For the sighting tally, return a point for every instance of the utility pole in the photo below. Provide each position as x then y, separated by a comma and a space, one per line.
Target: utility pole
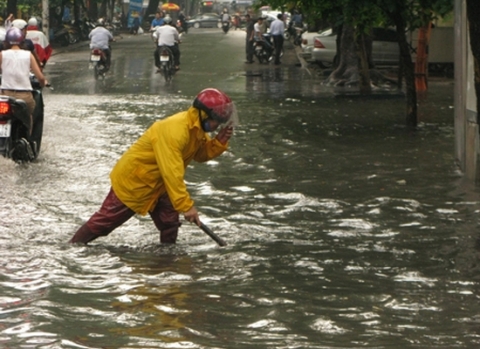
45, 18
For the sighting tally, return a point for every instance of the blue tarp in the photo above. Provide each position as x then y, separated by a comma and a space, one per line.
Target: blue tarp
134, 10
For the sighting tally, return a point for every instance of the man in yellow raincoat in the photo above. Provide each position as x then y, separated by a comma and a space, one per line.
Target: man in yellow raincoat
149, 177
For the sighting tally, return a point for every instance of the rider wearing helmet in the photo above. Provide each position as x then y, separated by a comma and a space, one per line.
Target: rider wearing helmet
27, 44
167, 35
32, 24
100, 38
149, 177
16, 64
40, 41
225, 16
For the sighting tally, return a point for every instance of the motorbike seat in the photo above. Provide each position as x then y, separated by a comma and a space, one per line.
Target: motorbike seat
20, 109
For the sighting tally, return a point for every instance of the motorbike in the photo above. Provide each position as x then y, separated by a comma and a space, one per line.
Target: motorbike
225, 26
15, 123
61, 36
166, 68
74, 33
264, 50
98, 62
296, 33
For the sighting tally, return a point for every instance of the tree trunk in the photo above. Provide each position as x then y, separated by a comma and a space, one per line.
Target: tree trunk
365, 87
103, 9
347, 71
338, 42
11, 8
152, 7
93, 9
408, 68
473, 15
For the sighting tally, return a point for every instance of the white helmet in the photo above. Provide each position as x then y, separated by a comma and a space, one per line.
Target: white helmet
19, 23
33, 21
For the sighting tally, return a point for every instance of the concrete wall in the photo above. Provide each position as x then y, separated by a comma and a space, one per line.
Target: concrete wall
467, 142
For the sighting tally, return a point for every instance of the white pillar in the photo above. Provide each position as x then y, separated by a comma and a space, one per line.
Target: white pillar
45, 18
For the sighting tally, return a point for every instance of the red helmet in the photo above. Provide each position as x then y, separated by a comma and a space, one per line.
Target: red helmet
216, 104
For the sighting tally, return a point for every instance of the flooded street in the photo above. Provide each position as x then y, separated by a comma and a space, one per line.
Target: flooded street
344, 229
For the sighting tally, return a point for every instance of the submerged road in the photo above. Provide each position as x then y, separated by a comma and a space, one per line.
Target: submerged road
343, 229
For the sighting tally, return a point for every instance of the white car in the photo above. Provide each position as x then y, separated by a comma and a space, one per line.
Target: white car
385, 49
307, 42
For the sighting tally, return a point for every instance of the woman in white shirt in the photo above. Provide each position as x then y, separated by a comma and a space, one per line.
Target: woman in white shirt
16, 65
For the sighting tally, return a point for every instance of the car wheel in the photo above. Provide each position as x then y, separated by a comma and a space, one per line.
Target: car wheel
324, 65
196, 25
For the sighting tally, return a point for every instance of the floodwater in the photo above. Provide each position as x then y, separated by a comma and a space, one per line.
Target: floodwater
344, 229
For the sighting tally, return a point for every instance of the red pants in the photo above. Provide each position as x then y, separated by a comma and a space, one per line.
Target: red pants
114, 213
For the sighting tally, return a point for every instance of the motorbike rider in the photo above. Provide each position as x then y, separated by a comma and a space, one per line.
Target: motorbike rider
158, 21
167, 35
226, 17
100, 38
16, 64
149, 177
258, 35
27, 44
39, 40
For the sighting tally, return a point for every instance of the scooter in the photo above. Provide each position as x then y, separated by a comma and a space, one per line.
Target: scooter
166, 68
264, 50
61, 36
98, 62
74, 33
225, 26
295, 33
15, 124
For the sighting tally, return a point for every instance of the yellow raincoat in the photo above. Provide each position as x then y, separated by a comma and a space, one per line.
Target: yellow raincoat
156, 162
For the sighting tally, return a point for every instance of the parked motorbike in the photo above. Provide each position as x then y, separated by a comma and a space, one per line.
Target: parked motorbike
98, 62
166, 68
61, 36
225, 26
264, 50
15, 123
74, 34
79, 30
297, 37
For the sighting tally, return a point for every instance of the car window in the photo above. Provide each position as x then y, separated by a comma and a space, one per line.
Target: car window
382, 34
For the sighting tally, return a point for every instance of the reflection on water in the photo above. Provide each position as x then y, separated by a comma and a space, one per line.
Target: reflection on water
343, 230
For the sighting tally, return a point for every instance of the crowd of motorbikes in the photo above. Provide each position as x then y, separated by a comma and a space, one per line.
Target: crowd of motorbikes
20, 135
72, 32
264, 49
15, 122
